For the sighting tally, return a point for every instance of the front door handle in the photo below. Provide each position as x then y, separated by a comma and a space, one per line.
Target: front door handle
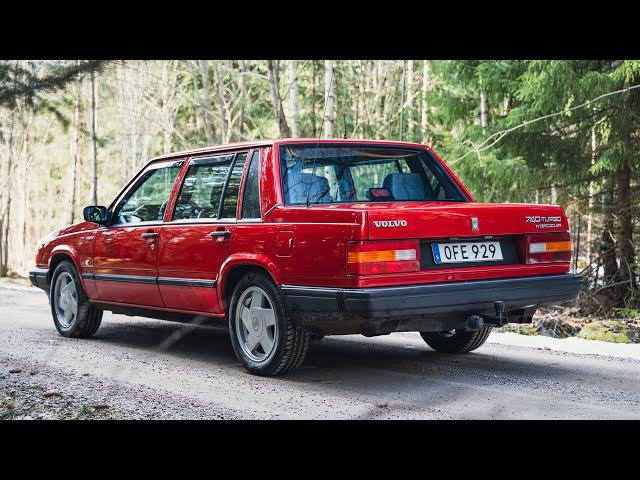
147, 235
220, 233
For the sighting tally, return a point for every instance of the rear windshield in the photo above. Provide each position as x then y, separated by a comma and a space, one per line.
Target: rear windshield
314, 174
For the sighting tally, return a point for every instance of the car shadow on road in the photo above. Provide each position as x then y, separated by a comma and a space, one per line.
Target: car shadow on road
396, 376
335, 359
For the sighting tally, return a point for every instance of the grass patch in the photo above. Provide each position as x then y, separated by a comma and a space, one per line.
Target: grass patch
606, 331
519, 329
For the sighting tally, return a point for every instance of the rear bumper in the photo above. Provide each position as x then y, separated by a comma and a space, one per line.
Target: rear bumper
433, 306
39, 277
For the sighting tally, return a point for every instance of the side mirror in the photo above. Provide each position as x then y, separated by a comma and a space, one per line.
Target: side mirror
96, 214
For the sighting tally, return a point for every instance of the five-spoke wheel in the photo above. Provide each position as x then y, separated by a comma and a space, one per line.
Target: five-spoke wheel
256, 324
65, 299
73, 314
264, 336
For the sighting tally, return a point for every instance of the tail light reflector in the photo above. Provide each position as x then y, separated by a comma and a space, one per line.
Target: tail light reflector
369, 258
548, 247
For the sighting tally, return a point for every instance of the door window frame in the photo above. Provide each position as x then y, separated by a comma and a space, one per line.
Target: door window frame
134, 183
169, 213
245, 173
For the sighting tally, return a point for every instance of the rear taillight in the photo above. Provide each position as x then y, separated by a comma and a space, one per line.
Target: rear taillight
369, 258
548, 247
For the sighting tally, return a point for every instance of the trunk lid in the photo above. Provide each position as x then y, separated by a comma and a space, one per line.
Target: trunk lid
403, 220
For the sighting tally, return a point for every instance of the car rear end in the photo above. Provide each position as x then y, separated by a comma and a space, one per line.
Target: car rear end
425, 257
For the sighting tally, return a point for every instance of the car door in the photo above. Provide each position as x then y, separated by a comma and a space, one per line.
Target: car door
126, 252
198, 238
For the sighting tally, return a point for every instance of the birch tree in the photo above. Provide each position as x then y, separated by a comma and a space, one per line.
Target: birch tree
94, 139
329, 97
75, 150
293, 97
276, 99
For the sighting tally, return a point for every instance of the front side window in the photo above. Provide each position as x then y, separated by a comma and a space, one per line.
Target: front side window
313, 174
251, 194
147, 200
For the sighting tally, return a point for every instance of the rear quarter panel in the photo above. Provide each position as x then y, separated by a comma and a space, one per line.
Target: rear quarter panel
318, 253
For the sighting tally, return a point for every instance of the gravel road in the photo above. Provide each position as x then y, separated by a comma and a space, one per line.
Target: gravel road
128, 371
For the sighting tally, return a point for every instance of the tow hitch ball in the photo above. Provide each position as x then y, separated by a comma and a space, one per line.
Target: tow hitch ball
476, 322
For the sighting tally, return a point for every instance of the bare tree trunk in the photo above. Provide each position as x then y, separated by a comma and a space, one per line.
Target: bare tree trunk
484, 110
506, 106
293, 79
625, 232
166, 94
360, 102
276, 100
207, 119
412, 121
591, 194
75, 149
607, 245
329, 97
424, 105
243, 96
94, 139
577, 225
28, 153
554, 194
5, 193
222, 107
402, 96
313, 97
388, 86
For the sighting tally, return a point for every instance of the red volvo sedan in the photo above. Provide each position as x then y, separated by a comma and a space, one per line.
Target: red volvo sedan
288, 239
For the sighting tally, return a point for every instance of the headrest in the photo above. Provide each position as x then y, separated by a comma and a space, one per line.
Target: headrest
405, 186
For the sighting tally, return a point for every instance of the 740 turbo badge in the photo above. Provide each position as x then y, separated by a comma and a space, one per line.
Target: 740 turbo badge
543, 222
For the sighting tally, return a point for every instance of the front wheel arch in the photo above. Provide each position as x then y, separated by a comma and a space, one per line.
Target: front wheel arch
56, 260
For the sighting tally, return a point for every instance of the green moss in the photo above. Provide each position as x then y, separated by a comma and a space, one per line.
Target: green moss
522, 330
606, 331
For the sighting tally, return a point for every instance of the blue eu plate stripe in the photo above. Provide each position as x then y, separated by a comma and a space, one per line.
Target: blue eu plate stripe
436, 253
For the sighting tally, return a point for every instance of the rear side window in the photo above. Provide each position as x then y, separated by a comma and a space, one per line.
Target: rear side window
251, 194
342, 174
201, 190
230, 202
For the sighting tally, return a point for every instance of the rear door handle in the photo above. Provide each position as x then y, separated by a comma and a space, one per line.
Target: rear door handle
220, 233
146, 235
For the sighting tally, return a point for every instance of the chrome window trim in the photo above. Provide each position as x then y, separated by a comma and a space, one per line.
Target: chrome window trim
152, 166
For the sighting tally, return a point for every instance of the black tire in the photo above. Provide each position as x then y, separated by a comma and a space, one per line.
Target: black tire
88, 317
291, 341
456, 341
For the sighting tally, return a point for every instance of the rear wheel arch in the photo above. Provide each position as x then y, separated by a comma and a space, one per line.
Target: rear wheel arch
230, 277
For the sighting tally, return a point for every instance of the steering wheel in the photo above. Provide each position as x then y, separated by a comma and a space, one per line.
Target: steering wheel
162, 209
436, 191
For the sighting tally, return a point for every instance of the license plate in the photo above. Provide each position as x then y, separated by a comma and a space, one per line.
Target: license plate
466, 252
